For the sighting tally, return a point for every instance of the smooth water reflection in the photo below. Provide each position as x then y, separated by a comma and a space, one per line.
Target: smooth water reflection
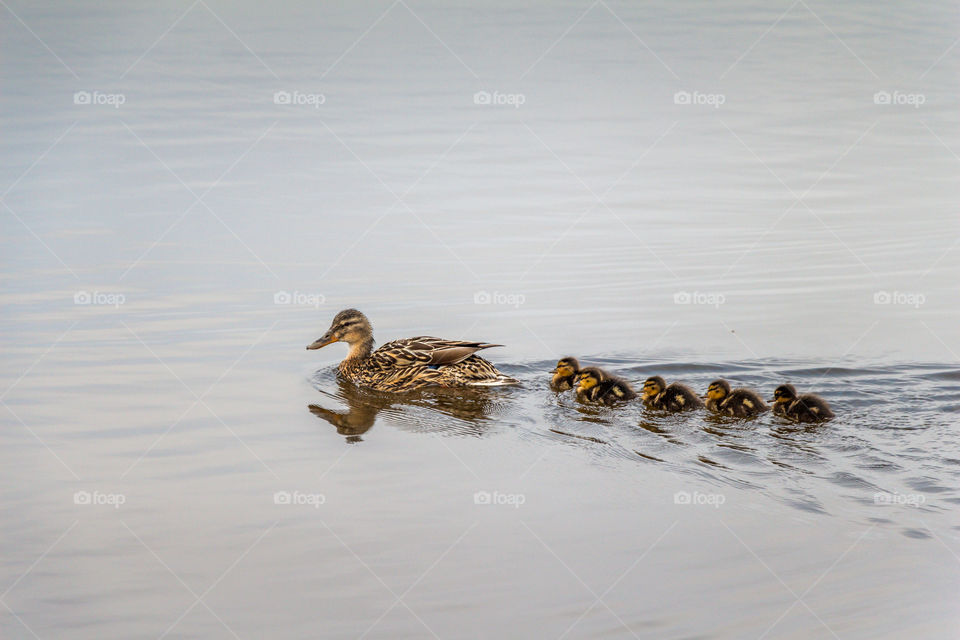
456, 411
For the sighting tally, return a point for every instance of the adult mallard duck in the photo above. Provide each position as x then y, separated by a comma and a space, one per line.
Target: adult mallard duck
409, 363
675, 397
596, 385
739, 403
805, 407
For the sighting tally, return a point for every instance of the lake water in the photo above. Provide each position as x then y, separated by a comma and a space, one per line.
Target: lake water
761, 191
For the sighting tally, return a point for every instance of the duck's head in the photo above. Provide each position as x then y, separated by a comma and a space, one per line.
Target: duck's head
784, 393
348, 326
566, 367
589, 378
718, 390
653, 386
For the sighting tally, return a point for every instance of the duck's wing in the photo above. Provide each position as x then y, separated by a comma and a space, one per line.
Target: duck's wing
429, 351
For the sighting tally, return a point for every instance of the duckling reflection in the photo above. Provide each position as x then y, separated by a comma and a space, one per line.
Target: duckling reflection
458, 412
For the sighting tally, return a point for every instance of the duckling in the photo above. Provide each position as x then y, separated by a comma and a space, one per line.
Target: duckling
596, 385
565, 374
676, 397
806, 407
740, 403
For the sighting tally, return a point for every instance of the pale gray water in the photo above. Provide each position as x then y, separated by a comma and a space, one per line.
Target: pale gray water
814, 230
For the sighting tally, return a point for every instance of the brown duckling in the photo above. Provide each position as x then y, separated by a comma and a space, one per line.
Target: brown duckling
596, 385
565, 374
739, 403
805, 407
676, 397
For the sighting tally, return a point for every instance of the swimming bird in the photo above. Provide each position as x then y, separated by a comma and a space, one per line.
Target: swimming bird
596, 385
565, 374
676, 397
805, 407
409, 363
740, 403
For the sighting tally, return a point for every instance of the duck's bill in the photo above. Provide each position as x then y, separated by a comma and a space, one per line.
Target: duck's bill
320, 343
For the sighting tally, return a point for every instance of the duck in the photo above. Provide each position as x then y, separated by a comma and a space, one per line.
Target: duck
409, 363
675, 397
739, 403
805, 407
565, 374
596, 385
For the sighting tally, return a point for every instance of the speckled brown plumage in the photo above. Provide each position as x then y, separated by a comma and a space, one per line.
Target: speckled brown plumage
410, 363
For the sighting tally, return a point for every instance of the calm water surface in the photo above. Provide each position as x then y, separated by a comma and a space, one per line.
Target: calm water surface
174, 464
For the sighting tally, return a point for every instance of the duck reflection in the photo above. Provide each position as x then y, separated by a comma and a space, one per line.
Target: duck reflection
353, 423
453, 411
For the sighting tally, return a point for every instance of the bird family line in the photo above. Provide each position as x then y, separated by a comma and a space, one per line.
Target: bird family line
408, 364
593, 384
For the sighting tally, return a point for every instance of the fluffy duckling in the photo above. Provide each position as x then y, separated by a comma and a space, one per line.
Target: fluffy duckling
805, 407
565, 374
596, 385
739, 403
676, 397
